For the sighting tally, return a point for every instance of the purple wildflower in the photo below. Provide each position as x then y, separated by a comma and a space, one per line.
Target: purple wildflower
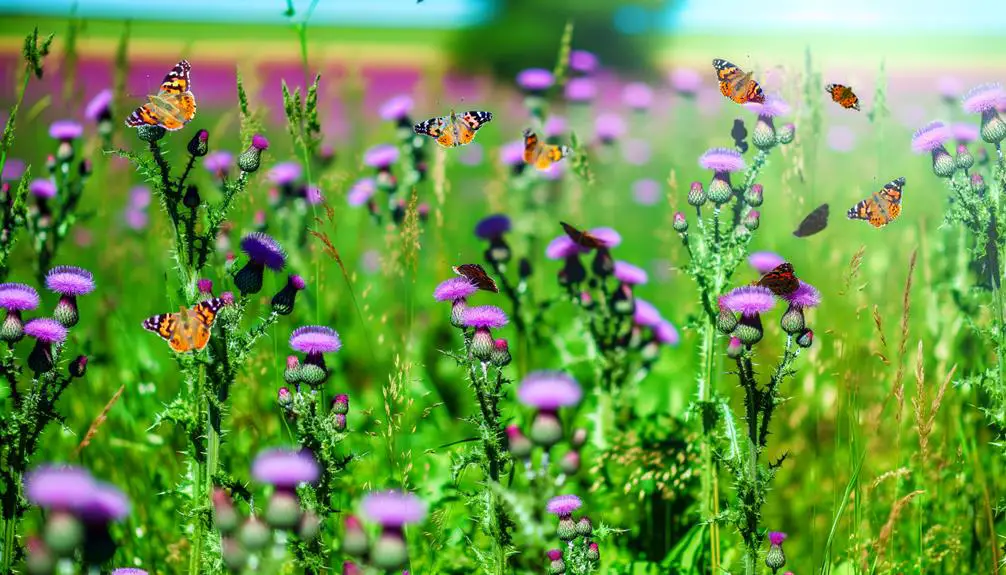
43, 189
646, 314
764, 262
46, 330
609, 127
18, 297
983, 98
555, 126
136, 219
492, 226
219, 163
13, 169
100, 106
930, 137
582, 61
646, 192
484, 316
512, 153
563, 505
55, 487
580, 90
804, 296
608, 237
535, 79
65, 130
748, 300
313, 195
563, 247
397, 108
106, 503
776, 537
381, 156
553, 172
685, 81
284, 173
666, 333
772, 107
139, 197
315, 340
263, 250
259, 142
393, 508
128, 571
453, 289
964, 133
630, 274
69, 281
284, 468
361, 192
722, 160
637, 96
549, 390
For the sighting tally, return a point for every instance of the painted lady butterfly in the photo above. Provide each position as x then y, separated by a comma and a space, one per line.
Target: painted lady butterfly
540, 154
737, 84
781, 280
478, 276
843, 95
186, 329
173, 106
452, 131
582, 238
882, 207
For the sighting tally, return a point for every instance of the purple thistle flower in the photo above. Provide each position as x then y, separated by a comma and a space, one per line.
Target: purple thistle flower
764, 262
512, 153
964, 133
18, 297
637, 96
773, 107
563, 505
139, 197
582, 61
666, 333
284, 468
381, 156
313, 195
776, 537
983, 98
555, 126
685, 81
646, 314
46, 330
454, 289
44, 189
219, 162
535, 79
136, 219
58, 487
553, 172
722, 160
804, 296
397, 108
580, 90
563, 247
284, 173
361, 192
107, 503
949, 87
748, 300
484, 316
65, 130
315, 340
100, 106
393, 508
13, 169
69, 281
493, 226
609, 127
263, 250
608, 237
549, 390
128, 571
259, 142
930, 137
630, 274
646, 192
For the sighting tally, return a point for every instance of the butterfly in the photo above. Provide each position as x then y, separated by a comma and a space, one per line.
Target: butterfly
582, 238
737, 84
478, 276
815, 221
781, 280
186, 329
882, 207
173, 106
539, 153
843, 95
452, 131
739, 133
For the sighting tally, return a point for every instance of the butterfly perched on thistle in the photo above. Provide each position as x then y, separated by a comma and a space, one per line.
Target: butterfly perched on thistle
189, 328
584, 239
882, 207
173, 106
815, 221
737, 84
542, 155
781, 280
478, 276
453, 130
843, 95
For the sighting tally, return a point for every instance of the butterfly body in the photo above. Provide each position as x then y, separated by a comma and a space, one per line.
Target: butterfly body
454, 130
882, 207
843, 95
172, 107
187, 329
737, 84
478, 276
815, 221
781, 280
542, 155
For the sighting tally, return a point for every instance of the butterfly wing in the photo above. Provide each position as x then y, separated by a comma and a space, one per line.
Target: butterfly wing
177, 80
478, 276
437, 128
470, 123
890, 196
882, 207
531, 146
581, 238
144, 115
843, 95
736, 84
815, 221
168, 326
173, 106
781, 280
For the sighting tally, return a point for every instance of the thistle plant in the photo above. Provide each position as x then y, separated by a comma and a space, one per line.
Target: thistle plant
579, 552
388, 551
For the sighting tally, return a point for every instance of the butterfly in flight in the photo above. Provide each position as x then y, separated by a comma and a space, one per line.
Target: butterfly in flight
882, 207
737, 84
815, 221
583, 239
478, 276
539, 154
740, 134
454, 130
187, 329
781, 280
173, 106
843, 95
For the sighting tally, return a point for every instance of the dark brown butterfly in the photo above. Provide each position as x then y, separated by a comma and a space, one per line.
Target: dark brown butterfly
478, 276
582, 238
740, 134
815, 221
782, 280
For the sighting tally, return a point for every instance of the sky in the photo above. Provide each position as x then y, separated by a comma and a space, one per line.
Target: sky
869, 16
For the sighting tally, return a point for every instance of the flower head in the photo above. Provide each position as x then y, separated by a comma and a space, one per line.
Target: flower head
46, 330
284, 173
580, 90
65, 130
637, 95
772, 107
776, 537
563, 505
582, 61
630, 274
535, 79
608, 237
381, 156
218, 162
492, 226
930, 137
748, 300
764, 262
484, 316
285, 468
563, 247
13, 169
259, 142
313, 195
804, 296
549, 390
454, 289
18, 297
263, 249
314, 339
646, 314
99, 105
106, 503
983, 98
128, 571
42, 188
396, 108
685, 81
722, 160
609, 126
555, 126
69, 280
666, 333
361, 191
55, 487
512, 153
393, 508
964, 133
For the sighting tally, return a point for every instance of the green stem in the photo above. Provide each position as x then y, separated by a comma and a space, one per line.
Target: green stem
710, 471
201, 475
10, 534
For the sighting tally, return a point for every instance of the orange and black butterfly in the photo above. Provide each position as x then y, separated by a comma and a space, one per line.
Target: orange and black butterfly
882, 207
454, 130
478, 276
583, 239
173, 106
737, 84
815, 221
539, 154
781, 280
843, 95
187, 329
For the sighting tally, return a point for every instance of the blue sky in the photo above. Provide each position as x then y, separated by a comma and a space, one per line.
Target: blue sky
870, 16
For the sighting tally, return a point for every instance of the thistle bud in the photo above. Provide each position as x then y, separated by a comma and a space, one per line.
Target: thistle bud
786, 133
191, 198
749, 331
64, 152
622, 302
943, 163
696, 194
483, 344
66, 312
283, 510
805, 339
680, 224
310, 526
764, 136
78, 367
292, 374
584, 528
199, 144
792, 321
354, 539
603, 264
993, 128
233, 554
570, 462
339, 422
498, 250
775, 559
50, 164
753, 196
726, 321
978, 184
458, 313
205, 287
964, 159
390, 551
282, 303
579, 438
524, 269
149, 133
340, 404
39, 560
556, 565
752, 219
63, 533
313, 374
572, 272
284, 398
734, 348
593, 553
225, 517
546, 429
250, 159
254, 534
500, 355
720, 190
567, 529
517, 443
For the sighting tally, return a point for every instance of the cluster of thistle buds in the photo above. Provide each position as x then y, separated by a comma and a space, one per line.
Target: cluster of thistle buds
313, 341
243, 538
477, 322
581, 554
546, 392
392, 511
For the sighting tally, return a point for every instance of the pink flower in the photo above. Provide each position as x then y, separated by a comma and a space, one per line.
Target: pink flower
983, 98
930, 137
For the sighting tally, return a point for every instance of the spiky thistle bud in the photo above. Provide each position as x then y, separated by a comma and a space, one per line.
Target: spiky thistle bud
191, 198
697, 194
752, 220
786, 133
284, 398
149, 133
749, 330
775, 559
199, 144
964, 159
556, 565
517, 443
593, 552
943, 163
792, 321
806, 339
993, 128
584, 528
282, 303
753, 196
225, 517
570, 462
78, 367
680, 224
250, 159
978, 184
354, 538
720, 190
734, 348
254, 534
567, 529
500, 356
282, 510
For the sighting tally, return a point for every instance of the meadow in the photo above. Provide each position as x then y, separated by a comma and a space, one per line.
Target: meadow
340, 400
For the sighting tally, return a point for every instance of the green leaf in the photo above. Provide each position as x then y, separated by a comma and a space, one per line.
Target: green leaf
685, 557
